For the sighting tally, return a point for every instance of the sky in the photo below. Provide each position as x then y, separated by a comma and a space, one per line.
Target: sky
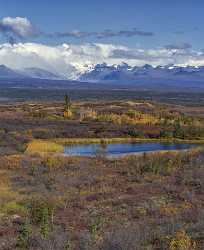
81, 33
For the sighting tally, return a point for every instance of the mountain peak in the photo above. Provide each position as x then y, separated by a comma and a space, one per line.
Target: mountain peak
123, 73
2, 66
147, 66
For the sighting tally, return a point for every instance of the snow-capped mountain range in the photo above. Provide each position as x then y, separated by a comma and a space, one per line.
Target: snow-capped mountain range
124, 73
146, 76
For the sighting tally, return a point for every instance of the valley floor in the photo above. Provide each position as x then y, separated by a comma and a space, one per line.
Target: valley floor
138, 202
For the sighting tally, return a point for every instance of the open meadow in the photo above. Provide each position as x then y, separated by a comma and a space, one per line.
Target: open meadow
49, 200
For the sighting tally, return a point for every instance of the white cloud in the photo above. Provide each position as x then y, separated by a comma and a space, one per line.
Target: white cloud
21, 27
18, 27
70, 59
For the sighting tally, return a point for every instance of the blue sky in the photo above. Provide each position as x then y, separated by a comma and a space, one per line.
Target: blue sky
71, 36
172, 22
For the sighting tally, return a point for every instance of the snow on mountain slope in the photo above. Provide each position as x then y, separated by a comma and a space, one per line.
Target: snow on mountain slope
147, 76
127, 74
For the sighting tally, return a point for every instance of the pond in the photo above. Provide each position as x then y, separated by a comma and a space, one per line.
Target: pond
121, 149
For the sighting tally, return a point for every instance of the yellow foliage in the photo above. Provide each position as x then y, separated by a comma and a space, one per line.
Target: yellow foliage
88, 114
169, 210
39, 146
172, 209
129, 118
116, 119
12, 207
68, 114
52, 161
6, 194
8, 197
182, 241
140, 211
65, 141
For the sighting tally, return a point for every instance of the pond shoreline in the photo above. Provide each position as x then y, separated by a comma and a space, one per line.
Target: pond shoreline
133, 154
66, 141
122, 149
57, 145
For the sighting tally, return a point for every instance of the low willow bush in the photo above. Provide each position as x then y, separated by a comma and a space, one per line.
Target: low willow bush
163, 163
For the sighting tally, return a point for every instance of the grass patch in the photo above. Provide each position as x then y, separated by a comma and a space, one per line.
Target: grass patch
13, 207
38, 146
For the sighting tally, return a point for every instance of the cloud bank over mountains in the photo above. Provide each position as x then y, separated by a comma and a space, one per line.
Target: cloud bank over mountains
69, 60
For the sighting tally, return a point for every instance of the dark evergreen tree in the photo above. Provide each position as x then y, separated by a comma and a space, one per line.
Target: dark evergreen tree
67, 102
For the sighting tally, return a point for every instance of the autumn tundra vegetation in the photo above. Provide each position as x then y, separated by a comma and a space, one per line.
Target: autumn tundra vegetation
136, 202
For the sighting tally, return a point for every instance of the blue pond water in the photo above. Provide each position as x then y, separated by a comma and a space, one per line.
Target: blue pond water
120, 149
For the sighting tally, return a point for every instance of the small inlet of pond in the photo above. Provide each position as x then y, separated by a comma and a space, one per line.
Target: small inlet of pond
122, 149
